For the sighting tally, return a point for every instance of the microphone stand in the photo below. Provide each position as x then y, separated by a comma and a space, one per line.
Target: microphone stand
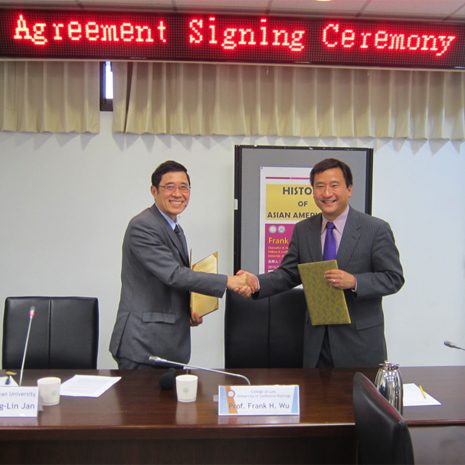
32, 312
156, 359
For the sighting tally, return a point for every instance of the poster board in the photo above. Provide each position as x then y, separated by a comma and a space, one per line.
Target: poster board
255, 172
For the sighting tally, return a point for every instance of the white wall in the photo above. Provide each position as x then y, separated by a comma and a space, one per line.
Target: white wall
65, 201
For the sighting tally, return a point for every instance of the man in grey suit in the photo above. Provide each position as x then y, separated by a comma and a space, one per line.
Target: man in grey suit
154, 316
369, 268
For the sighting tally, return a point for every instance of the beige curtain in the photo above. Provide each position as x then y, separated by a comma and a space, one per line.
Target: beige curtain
49, 96
202, 99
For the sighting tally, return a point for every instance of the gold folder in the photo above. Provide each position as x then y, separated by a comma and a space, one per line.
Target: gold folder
200, 303
326, 304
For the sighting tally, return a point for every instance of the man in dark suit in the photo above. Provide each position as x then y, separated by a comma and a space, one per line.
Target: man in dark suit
369, 268
154, 316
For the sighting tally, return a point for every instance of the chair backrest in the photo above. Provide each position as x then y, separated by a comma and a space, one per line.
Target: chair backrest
265, 333
64, 332
382, 434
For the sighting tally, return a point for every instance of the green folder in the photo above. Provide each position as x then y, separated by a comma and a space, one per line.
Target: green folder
326, 304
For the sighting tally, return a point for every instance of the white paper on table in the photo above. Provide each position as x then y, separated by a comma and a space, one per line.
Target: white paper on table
413, 397
87, 385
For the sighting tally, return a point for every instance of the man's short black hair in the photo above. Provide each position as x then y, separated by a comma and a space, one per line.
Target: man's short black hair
328, 164
168, 167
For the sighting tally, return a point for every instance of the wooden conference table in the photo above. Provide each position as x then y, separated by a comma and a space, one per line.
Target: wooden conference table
136, 421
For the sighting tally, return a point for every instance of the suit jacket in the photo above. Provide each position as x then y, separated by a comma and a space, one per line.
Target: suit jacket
154, 310
368, 251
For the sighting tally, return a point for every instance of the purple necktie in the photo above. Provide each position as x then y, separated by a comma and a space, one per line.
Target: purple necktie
329, 251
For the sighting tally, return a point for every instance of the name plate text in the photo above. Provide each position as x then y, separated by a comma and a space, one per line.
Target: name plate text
259, 400
18, 401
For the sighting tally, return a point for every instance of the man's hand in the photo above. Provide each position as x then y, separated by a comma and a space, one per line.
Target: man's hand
252, 280
196, 320
340, 279
240, 285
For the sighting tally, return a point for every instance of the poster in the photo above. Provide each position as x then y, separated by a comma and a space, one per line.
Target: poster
286, 197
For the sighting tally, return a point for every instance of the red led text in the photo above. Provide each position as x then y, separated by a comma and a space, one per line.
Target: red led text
335, 36
214, 37
228, 38
89, 31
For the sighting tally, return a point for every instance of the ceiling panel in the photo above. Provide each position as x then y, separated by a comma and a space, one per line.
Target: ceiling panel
443, 9
259, 6
460, 14
334, 7
408, 9
124, 4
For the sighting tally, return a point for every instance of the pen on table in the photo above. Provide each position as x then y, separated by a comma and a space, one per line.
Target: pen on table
423, 393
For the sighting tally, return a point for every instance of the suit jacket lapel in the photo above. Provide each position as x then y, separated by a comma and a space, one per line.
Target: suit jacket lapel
314, 235
349, 239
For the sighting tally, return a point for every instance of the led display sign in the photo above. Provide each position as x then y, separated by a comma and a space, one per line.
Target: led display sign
99, 35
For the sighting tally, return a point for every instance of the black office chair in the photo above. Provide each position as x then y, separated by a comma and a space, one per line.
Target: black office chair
265, 333
382, 434
64, 332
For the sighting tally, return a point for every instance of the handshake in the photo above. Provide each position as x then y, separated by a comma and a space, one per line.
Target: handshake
244, 283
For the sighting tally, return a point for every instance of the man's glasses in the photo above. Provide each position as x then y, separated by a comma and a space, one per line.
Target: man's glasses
183, 188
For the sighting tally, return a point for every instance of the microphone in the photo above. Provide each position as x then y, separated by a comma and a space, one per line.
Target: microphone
32, 312
452, 345
158, 360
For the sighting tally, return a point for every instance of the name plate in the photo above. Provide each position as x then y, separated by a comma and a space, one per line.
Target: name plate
18, 401
259, 400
